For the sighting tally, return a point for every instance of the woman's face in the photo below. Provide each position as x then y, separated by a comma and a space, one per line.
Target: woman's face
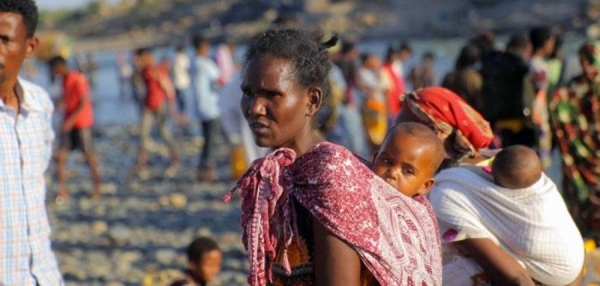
278, 109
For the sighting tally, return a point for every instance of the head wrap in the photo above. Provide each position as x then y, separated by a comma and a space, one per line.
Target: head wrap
453, 119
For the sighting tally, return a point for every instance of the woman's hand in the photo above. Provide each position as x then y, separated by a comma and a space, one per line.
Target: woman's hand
502, 268
335, 263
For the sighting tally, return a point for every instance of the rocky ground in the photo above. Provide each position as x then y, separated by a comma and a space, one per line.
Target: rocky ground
138, 232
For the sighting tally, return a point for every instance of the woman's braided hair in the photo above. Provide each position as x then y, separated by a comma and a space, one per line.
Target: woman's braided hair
304, 49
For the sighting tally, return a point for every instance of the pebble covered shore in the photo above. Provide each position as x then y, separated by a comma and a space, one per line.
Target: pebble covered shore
137, 233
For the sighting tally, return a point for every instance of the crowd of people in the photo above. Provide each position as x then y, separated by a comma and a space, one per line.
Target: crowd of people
362, 173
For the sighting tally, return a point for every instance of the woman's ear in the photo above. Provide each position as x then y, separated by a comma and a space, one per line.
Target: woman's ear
315, 100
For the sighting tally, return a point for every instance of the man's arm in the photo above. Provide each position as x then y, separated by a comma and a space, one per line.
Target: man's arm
502, 268
335, 263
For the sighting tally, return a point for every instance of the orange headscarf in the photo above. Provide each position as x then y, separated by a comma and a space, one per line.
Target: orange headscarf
452, 117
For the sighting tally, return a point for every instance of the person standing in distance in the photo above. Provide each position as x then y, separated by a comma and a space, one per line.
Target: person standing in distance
76, 129
205, 75
26, 136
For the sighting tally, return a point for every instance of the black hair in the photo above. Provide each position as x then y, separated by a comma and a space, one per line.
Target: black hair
364, 57
26, 8
518, 42
347, 47
516, 167
405, 47
429, 55
304, 49
199, 40
469, 55
142, 51
539, 36
56, 61
199, 247
484, 42
392, 50
180, 48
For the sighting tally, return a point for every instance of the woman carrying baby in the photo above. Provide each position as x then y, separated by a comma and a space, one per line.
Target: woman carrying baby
519, 233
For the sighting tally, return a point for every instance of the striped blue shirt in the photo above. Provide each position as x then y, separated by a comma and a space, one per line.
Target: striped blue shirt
25, 149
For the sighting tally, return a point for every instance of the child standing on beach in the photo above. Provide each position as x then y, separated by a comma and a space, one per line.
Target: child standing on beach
204, 263
75, 132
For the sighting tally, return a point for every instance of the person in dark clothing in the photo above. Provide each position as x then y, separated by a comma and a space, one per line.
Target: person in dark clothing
465, 80
508, 93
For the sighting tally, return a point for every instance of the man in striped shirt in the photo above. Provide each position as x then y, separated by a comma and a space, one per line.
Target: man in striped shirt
25, 149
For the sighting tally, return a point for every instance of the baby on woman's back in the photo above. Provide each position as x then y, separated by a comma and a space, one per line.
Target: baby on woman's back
516, 206
409, 157
516, 167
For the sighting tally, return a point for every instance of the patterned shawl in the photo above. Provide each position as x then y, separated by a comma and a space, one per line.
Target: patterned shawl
452, 117
396, 237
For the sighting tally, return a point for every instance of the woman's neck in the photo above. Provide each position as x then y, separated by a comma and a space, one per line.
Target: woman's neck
304, 143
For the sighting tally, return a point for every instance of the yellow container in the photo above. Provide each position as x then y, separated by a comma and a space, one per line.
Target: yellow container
238, 161
590, 245
375, 121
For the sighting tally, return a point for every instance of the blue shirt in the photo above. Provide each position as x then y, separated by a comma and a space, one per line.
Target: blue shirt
205, 74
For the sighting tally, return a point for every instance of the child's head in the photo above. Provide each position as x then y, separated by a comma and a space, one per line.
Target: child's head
204, 259
516, 167
409, 157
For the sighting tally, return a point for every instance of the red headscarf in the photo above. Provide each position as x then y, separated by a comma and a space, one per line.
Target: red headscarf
451, 116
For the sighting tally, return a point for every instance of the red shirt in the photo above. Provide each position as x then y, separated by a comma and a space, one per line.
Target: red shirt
395, 91
155, 95
75, 89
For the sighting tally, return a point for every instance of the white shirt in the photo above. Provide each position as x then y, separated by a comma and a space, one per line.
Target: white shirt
181, 71
25, 149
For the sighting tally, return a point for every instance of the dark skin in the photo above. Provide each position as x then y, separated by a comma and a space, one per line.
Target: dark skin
280, 113
62, 70
406, 163
146, 60
15, 46
502, 268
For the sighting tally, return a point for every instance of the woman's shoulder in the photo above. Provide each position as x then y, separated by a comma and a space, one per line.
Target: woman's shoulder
459, 179
328, 153
327, 163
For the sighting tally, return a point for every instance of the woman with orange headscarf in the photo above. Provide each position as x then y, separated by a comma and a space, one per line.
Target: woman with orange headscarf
478, 249
462, 129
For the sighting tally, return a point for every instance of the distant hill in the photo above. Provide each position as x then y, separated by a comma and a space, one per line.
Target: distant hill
156, 22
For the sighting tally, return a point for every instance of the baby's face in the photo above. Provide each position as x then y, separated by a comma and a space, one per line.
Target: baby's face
405, 162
